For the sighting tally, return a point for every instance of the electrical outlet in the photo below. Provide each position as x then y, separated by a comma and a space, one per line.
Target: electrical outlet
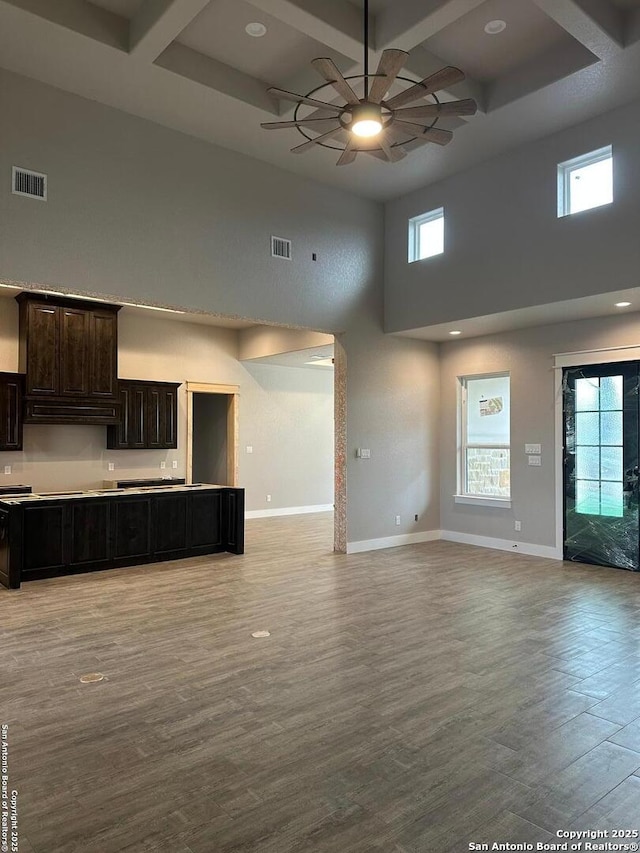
163, 465
249, 448
111, 466
268, 499
517, 525
174, 464
397, 521
7, 469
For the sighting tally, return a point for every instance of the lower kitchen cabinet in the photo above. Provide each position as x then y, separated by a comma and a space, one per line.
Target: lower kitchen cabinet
45, 537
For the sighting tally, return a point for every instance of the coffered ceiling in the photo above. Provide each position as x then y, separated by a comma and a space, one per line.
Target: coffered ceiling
190, 65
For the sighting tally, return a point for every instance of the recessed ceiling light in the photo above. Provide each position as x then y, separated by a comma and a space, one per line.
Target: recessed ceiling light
495, 27
456, 332
256, 30
622, 304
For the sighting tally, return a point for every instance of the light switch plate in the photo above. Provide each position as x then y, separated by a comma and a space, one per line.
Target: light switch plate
163, 465
536, 461
533, 448
249, 448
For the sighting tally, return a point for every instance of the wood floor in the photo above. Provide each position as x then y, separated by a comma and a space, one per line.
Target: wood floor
415, 699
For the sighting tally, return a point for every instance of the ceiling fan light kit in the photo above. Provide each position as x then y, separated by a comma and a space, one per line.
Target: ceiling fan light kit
373, 124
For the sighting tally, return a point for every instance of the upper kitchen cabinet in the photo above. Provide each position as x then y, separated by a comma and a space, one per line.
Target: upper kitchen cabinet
69, 354
149, 416
11, 411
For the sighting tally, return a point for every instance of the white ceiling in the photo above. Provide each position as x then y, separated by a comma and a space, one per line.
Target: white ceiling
189, 65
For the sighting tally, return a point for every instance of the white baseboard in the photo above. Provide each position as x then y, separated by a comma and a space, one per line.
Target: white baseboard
287, 510
528, 548
392, 541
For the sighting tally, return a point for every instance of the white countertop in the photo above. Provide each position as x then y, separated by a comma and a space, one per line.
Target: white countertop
102, 493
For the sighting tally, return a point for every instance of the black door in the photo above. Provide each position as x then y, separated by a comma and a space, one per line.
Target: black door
601, 407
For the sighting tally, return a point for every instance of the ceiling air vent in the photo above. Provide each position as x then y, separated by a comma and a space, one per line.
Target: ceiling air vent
281, 248
28, 183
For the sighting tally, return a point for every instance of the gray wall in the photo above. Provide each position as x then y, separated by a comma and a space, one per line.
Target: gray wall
528, 355
209, 461
505, 248
138, 210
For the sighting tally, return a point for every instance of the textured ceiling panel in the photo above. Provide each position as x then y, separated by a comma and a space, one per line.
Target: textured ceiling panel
219, 32
529, 33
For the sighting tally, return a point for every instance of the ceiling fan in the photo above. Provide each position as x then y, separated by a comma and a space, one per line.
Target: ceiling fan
371, 124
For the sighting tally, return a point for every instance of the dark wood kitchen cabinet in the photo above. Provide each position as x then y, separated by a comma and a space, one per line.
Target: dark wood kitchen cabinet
11, 389
46, 536
149, 416
69, 354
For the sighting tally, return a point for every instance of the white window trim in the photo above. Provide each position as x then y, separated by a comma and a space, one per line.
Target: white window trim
462, 496
414, 233
564, 176
477, 500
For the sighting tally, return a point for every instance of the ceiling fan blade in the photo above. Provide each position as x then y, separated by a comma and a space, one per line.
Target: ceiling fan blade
303, 122
430, 134
391, 64
306, 146
302, 99
467, 107
348, 155
440, 80
332, 74
393, 154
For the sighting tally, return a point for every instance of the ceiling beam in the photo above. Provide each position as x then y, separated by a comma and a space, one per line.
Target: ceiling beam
407, 23
216, 75
334, 23
596, 24
158, 23
83, 18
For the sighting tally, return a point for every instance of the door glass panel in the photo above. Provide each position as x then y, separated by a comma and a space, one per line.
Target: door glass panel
610, 393
611, 428
611, 463
612, 500
588, 463
588, 497
588, 428
587, 393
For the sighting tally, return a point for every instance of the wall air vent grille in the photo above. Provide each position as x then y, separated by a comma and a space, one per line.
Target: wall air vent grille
281, 248
27, 183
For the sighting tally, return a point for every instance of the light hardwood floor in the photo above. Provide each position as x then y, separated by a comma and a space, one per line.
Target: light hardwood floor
414, 699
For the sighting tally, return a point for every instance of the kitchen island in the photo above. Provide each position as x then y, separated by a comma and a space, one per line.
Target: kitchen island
46, 535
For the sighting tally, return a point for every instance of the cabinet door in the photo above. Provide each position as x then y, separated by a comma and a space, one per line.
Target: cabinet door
169, 419
89, 540
155, 419
74, 352
11, 413
131, 527
43, 347
119, 435
205, 527
43, 537
103, 354
138, 414
170, 523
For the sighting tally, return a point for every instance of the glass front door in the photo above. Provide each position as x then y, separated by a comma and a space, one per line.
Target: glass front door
601, 465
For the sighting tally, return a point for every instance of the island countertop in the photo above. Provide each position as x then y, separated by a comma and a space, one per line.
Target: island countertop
11, 500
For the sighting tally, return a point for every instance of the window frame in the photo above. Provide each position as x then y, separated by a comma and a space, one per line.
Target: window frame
463, 496
565, 170
415, 223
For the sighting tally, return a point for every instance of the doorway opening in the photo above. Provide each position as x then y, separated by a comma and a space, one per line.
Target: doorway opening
212, 433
